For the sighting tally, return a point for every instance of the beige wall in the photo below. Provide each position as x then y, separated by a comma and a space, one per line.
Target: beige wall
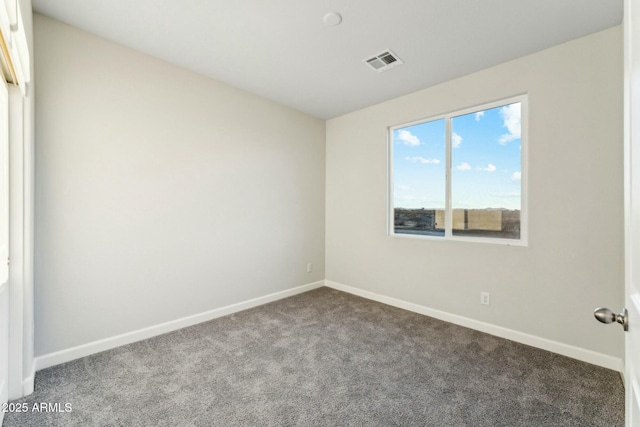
574, 261
160, 193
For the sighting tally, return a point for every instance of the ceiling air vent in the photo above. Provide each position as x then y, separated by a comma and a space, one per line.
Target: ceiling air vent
384, 61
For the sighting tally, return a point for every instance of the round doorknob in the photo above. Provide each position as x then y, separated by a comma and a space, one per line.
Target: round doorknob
605, 315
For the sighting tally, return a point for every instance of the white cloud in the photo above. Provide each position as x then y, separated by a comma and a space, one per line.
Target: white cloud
489, 168
407, 138
511, 115
403, 187
456, 140
516, 176
479, 115
423, 160
464, 166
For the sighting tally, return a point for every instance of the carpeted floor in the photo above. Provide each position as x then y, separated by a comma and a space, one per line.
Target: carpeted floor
326, 358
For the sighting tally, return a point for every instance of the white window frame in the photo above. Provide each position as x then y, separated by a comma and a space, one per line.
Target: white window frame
524, 156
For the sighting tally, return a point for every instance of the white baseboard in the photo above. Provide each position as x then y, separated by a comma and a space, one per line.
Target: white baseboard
67, 355
28, 385
578, 353
4, 393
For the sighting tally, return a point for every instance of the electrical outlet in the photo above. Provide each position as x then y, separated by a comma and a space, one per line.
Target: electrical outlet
485, 298
309, 267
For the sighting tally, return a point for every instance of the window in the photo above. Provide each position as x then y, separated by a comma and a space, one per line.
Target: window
461, 175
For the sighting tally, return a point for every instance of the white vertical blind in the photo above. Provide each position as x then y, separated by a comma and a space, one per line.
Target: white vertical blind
12, 13
4, 183
14, 51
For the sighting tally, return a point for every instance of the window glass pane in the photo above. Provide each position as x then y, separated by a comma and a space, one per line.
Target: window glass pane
419, 187
485, 177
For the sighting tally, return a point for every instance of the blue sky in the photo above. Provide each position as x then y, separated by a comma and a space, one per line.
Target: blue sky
485, 158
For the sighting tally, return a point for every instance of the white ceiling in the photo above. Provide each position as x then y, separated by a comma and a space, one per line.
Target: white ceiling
280, 49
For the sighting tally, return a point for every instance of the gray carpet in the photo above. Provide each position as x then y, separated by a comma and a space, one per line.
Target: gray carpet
326, 358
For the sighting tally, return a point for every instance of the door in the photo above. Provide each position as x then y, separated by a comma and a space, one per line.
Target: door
4, 243
632, 208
